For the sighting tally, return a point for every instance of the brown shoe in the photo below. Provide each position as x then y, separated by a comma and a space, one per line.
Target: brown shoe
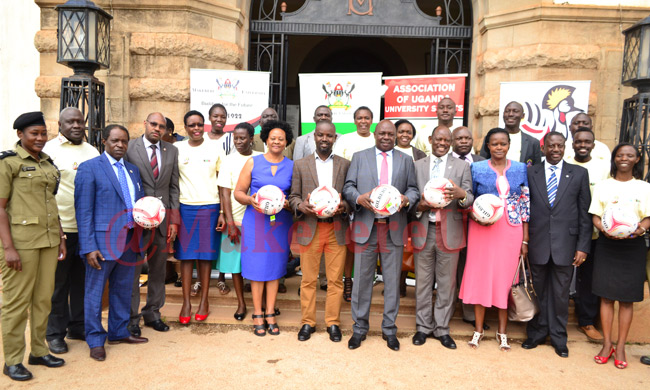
130, 340
592, 333
98, 353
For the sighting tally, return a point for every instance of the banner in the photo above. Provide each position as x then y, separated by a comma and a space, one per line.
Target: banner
548, 105
410, 97
244, 94
342, 93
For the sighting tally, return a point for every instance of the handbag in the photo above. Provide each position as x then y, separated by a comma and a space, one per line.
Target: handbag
522, 303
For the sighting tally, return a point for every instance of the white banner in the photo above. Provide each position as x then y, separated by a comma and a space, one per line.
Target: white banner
548, 105
342, 93
244, 94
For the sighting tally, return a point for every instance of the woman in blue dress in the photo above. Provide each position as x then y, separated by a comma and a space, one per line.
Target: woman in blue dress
266, 239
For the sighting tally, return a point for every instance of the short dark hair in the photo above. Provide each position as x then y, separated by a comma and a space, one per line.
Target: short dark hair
439, 126
270, 125
637, 170
170, 124
401, 122
490, 133
192, 113
107, 131
362, 108
322, 106
217, 105
248, 127
553, 134
583, 129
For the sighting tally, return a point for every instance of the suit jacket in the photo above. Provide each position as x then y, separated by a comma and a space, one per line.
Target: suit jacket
418, 154
101, 210
258, 145
452, 227
362, 177
305, 146
531, 153
560, 230
166, 187
477, 157
303, 182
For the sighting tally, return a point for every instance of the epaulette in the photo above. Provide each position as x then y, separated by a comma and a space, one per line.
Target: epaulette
7, 153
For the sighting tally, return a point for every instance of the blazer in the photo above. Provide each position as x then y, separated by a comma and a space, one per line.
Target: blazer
531, 152
166, 187
477, 157
303, 182
560, 230
362, 177
418, 154
258, 145
452, 224
101, 210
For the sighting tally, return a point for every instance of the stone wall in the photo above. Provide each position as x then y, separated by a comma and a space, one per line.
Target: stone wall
532, 40
154, 43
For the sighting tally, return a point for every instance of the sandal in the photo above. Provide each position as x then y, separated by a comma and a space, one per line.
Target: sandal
476, 339
196, 288
223, 288
620, 364
347, 289
274, 330
502, 338
259, 330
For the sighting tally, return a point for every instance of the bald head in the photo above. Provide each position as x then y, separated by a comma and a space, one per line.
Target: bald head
155, 127
72, 125
462, 141
269, 114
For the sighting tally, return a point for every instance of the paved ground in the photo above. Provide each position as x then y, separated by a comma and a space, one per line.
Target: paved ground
206, 356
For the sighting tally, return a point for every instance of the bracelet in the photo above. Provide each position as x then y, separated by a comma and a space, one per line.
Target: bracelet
524, 242
64, 237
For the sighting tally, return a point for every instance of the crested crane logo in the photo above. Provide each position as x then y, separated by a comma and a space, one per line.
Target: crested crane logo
338, 97
226, 89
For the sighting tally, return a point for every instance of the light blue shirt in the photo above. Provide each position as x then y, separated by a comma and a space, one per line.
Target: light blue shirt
112, 161
558, 172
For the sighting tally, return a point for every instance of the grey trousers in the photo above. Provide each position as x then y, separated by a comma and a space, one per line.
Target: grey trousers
432, 264
365, 263
156, 259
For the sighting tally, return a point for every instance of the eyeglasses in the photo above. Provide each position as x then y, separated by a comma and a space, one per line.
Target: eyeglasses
158, 125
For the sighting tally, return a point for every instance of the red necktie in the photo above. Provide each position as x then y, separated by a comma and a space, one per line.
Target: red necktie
154, 162
383, 175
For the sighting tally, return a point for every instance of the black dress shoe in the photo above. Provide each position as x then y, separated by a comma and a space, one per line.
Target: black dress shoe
156, 325
47, 361
561, 351
172, 278
17, 372
391, 341
335, 333
240, 316
305, 332
419, 338
645, 360
531, 344
98, 353
76, 336
446, 341
134, 329
130, 340
355, 340
473, 323
57, 346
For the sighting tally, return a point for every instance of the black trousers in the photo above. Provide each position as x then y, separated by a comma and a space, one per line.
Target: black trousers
587, 304
67, 315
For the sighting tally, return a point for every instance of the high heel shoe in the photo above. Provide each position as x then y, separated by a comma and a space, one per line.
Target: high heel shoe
476, 339
502, 338
184, 320
274, 330
620, 364
603, 359
259, 330
201, 317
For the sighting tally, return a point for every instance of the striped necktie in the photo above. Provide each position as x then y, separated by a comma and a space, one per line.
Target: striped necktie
154, 162
551, 186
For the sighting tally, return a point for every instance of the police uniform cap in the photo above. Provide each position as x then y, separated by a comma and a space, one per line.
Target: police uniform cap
27, 119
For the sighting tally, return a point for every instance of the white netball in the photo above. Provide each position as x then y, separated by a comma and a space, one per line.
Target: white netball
325, 200
619, 221
386, 199
149, 212
487, 208
434, 192
270, 198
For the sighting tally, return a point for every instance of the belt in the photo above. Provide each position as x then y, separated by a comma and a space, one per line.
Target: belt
382, 221
326, 220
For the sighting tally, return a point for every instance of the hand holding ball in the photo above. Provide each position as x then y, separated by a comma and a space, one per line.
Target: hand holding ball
487, 208
386, 199
434, 192
270, 199
149, 212
325, 200
619, 222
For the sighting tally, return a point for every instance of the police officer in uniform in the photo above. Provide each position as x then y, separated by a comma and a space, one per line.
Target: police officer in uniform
32, 240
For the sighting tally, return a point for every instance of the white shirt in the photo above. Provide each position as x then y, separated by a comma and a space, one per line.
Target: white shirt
380, 160
549, 171
325, 170
442, 166
514, 152
348, 144
147, 148
129, 182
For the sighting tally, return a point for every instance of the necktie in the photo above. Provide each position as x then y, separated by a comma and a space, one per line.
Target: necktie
551, 186
383, 175
154, 162
435, 171
121, 176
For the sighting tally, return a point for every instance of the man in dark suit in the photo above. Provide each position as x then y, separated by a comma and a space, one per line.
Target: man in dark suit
560, 238
437, 237
376, 234
157, 161
320, 236
523, 147
106, 188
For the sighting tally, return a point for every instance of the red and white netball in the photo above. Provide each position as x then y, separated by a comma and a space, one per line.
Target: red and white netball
386, 199
434, 192
149, 212
487, 208
325, 200
270, 198
619, 221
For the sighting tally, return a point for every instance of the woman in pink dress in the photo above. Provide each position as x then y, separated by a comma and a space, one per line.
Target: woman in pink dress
493, 250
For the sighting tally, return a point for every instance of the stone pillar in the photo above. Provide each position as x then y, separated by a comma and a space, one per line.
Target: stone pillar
154, 43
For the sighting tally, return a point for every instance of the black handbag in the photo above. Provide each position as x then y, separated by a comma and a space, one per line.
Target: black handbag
522, 303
